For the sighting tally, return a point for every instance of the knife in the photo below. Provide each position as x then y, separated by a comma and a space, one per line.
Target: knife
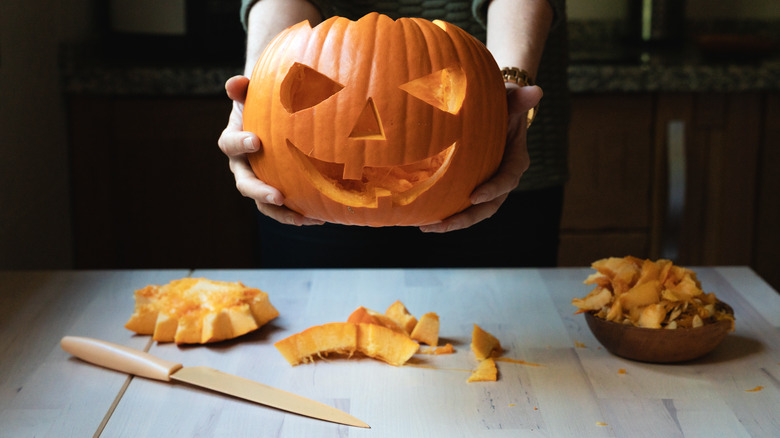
138, 363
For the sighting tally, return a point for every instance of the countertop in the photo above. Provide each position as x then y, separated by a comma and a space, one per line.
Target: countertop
601, 62
576, 388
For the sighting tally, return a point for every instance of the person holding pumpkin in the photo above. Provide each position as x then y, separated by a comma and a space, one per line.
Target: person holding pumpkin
528, 37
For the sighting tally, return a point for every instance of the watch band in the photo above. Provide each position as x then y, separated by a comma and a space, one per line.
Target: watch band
523, 79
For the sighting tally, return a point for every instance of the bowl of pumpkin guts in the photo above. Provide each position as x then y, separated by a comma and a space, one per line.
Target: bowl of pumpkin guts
653, 311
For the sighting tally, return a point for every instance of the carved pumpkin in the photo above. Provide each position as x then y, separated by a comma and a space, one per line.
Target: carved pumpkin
377, 121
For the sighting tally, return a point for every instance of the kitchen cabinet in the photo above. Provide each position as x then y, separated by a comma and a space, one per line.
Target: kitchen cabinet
766, 253
714, 203
608, 198
722, 140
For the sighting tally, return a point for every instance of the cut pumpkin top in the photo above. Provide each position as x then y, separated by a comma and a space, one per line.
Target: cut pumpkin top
198, 310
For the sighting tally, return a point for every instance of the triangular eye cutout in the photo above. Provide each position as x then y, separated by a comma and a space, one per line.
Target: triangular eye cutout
368, 125
304, 87
444, 89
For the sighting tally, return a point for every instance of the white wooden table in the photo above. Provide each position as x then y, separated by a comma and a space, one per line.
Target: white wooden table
579, 390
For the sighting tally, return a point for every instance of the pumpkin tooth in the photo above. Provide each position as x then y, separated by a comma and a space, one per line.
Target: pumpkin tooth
353, 170
403, 183
441, 162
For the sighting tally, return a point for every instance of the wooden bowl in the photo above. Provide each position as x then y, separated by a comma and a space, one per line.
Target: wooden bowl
657, 345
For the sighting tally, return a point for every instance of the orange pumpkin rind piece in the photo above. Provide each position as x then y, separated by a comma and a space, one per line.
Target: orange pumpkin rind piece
382, 343
145, 316
486, 371
319, 340
484, 344
368, 316
595, 300
427, 329
372, 340
398, 313
199, 311
443, 349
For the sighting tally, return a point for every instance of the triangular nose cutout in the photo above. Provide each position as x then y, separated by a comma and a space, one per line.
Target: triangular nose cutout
368, 125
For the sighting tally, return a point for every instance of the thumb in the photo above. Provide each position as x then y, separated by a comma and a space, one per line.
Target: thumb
522, 99
236, 88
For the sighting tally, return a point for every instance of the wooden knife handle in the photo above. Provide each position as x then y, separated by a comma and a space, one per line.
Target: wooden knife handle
119, 358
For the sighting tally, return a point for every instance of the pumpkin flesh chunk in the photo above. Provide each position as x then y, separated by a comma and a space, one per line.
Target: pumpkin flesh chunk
372, 340
486, 371
320, 340
398, 313
145, 317
427, 329
484, 344
368, 316
443, 349
385, 344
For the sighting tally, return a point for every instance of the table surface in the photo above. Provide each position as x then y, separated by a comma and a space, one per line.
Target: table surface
578, 389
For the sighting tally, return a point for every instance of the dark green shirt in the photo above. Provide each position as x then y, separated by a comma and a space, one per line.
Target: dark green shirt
548, 137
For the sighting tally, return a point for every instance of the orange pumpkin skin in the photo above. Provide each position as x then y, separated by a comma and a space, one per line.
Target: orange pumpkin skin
376, 122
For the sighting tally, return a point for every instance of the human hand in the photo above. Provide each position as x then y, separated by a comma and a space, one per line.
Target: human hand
488, 197
236, 144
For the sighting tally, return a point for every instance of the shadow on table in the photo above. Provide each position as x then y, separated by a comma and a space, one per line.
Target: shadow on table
733, 347
263, 335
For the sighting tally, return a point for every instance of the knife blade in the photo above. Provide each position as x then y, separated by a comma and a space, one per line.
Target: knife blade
139, 363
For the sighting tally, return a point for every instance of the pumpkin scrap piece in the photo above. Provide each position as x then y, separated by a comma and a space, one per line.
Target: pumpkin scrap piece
517, 361
372, 340
427, 329
198, 311
483, 344
443, 349
385, 344
486, 372
320, 340
368, 316
650, 294
398, 313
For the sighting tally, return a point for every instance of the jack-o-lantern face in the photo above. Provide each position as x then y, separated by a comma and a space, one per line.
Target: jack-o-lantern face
376, 122
349, 178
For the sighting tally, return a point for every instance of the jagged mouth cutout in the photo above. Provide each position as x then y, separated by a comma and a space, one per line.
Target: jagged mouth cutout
355, 185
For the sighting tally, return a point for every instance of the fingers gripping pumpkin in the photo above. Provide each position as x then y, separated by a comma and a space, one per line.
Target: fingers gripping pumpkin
376, 122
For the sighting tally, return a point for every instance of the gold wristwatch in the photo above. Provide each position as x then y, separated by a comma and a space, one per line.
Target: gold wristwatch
523, 79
